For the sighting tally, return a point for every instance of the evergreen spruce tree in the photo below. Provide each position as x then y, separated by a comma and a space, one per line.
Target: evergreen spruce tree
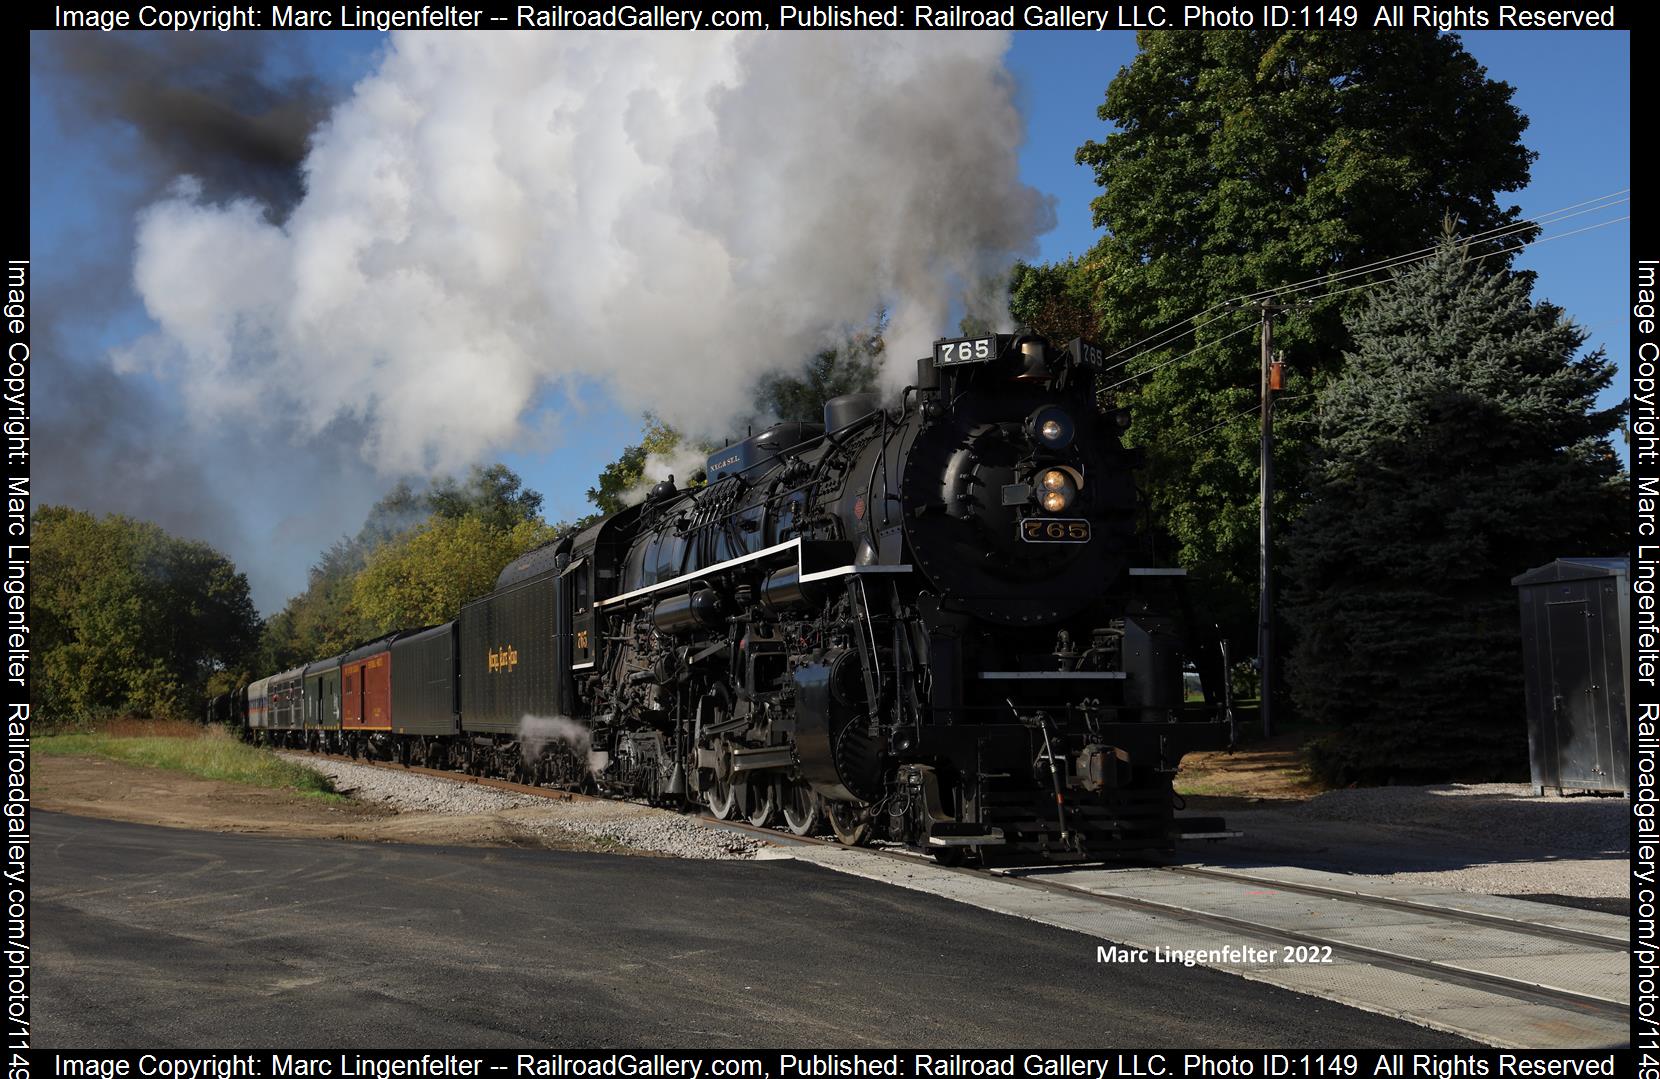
1460, 445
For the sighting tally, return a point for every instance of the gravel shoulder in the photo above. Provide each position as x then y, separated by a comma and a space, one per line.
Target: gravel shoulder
618, 826
384, 806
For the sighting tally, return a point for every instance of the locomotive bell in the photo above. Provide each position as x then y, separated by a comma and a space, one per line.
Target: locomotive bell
1034, 358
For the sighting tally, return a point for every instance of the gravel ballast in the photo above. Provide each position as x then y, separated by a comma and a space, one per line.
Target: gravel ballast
622, 824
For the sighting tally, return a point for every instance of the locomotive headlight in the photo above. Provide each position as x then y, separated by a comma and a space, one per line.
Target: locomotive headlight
1056, 489
1051, 428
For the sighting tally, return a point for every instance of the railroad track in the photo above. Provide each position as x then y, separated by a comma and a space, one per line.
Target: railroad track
1425, 920
1432, 918
1425, 927
1499, 921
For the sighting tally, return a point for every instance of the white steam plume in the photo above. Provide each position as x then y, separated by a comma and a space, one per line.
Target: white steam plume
536, 733
492, 215
679, 463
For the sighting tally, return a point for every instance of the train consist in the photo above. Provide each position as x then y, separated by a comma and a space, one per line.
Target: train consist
932, 623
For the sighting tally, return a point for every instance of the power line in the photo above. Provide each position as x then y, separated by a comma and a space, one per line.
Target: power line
1392, 262
1501, 232
1490, 254
1355, 288
1178, 359
1398, 262
1341, 292
1245, 412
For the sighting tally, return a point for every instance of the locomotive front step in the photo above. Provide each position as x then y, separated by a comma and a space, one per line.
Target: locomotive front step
965, 835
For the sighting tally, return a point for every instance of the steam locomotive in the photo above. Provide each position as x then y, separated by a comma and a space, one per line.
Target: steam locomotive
930, 623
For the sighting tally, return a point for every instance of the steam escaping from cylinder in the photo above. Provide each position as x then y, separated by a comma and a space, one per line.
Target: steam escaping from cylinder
495, 223
537, 733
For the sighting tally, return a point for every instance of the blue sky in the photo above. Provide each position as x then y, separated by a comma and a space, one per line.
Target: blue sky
1575, 89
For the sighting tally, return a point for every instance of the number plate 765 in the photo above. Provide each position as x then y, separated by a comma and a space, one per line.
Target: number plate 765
1054, 530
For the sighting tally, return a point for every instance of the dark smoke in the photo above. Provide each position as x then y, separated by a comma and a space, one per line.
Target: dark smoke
212, 106
99, 444
134, 113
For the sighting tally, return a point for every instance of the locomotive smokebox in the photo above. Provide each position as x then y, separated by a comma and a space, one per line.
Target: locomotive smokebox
681, 614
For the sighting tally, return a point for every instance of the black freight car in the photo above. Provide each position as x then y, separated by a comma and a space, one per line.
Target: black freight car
425, 705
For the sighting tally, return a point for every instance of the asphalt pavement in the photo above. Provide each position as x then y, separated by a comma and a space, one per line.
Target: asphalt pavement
155, 938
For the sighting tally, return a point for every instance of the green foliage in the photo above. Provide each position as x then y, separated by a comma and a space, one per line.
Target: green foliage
494, 496
327, 617
322, 620
399, 510
1460, 446
130, 619
854, 368
1250, 160
423, 577
1054, 300
622, 482
213, 754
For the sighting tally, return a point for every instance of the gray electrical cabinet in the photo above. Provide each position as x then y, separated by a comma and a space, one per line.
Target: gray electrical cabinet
1576, 618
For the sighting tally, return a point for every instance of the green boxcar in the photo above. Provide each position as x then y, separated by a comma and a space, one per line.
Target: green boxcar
322, 695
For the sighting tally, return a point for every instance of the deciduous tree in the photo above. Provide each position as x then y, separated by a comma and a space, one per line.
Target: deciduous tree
127, 618
624, 481
326, 618
423, 577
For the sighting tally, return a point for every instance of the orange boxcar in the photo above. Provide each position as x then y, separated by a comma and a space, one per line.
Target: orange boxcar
366, 689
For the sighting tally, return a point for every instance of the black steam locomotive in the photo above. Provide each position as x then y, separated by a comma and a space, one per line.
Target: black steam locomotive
927, 623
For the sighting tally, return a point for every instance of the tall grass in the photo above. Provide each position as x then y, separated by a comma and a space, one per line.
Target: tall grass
208, 752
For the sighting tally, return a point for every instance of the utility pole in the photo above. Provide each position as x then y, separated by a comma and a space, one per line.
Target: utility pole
1271, 384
